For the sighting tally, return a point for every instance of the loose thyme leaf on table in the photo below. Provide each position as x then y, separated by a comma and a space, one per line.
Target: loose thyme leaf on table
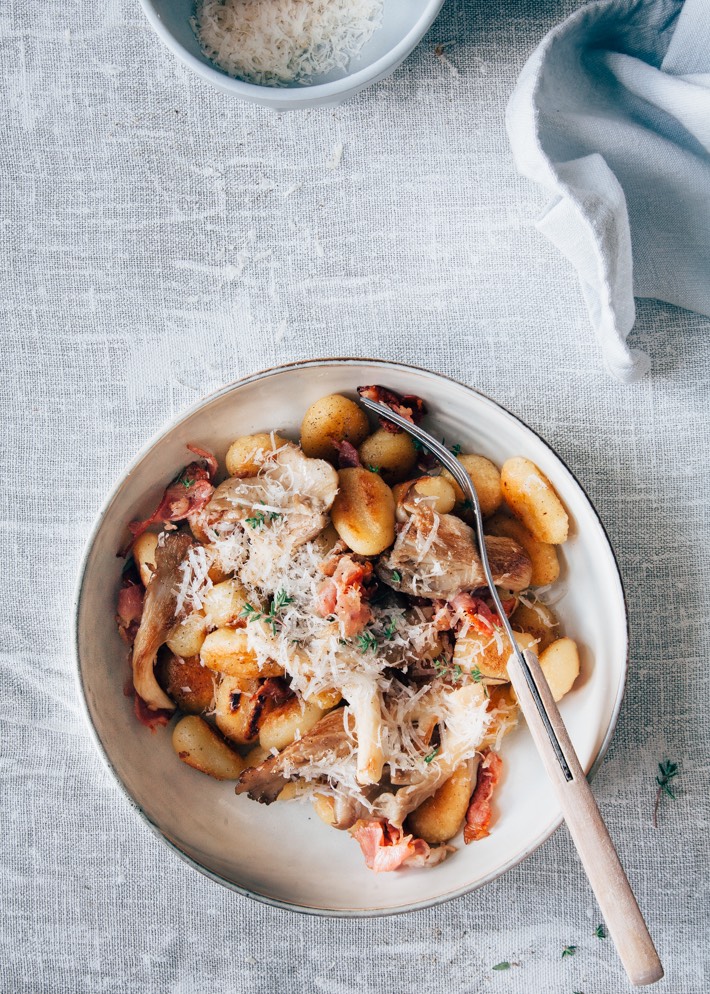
667, 772
600, 932
569, 951
505, 965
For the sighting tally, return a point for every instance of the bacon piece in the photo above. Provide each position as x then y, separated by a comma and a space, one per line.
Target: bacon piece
387, 848
209, 457
276, 690
475, 611
344, 593
478, 816
348, 456
408, 405
129, 610
183, 500
151, 719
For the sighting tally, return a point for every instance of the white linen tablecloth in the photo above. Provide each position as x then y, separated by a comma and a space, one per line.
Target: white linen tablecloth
160, 239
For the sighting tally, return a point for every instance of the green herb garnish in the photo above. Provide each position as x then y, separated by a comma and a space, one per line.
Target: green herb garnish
280, 600
667, 772
431, 756
396, 576
374, 469
569, 951
476, 675
390, 629
505, 965
367, 641
456, 449
600, 932
257, 520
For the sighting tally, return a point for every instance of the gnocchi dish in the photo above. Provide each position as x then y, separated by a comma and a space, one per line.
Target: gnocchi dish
313, 619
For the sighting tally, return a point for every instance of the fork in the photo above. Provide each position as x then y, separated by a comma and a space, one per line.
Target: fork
590, 835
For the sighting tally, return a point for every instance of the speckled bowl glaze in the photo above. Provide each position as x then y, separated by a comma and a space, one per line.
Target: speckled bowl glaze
404, 24
283, 854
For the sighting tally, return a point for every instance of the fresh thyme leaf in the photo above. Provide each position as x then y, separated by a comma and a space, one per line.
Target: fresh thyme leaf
281, 599
476, 675
273, 515
396, 576
257, 520
667, 772
366, 641
419, 446
458, 672
600, 932
456, 449
187, 482
390, 629
250, 613
505, 965
374, 469
467, 504
569, 951
431, 756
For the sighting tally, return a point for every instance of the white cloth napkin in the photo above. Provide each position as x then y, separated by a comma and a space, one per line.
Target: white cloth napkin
612, 115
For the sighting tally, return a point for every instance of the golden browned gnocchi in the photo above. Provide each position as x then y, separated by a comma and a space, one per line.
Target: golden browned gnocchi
202, 748
393, 456
187, 682
441, 816
560, 664
532, 498
227, 651
330, 420
246, 454
485, 477
363, 511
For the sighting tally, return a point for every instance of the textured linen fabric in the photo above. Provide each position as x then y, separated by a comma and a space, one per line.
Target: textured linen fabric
612, 114
159, 240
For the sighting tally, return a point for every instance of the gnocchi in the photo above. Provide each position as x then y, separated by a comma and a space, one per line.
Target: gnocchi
485, 477
330, 420
198, 745
363, 512
532, 498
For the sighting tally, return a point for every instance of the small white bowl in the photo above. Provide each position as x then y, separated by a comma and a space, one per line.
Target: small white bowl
283, 854
404, 24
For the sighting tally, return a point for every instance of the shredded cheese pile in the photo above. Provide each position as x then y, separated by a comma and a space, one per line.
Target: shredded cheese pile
281, 42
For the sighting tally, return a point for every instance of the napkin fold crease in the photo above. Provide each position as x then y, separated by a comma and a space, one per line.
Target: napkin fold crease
611, 114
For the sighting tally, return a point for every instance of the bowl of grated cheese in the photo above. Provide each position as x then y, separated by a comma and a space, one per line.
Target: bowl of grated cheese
283, 854
290, 54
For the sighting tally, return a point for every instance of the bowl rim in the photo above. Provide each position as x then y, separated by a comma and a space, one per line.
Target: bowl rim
125, 474
297, 94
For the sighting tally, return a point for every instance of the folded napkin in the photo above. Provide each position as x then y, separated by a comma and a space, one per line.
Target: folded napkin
612, 115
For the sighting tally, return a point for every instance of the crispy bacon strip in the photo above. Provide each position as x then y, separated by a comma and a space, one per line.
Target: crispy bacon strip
129, 609
151, 719
387, 848
478, 816
348, 456
407, 405
183, 499
344, 594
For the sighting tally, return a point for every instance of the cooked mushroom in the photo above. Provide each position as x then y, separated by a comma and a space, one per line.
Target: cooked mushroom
435, 556
159, 618
324, 745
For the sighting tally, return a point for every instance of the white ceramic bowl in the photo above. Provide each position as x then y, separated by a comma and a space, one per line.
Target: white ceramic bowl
404, 24
283, 854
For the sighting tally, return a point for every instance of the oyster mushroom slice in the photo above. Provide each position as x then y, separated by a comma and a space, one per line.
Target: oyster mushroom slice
435, 556
296, 490
158, 618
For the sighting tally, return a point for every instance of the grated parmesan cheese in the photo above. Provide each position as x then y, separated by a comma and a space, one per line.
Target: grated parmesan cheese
281, 42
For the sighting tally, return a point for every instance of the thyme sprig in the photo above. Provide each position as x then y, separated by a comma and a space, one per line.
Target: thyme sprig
667, 772
258, 520
278, 603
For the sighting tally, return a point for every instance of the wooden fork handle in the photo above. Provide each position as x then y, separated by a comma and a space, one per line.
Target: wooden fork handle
610, 884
